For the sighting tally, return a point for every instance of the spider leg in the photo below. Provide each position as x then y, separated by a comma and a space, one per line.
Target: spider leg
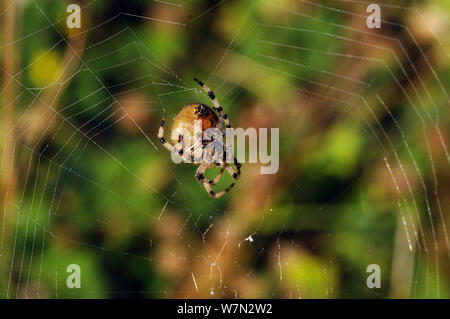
199, 175
238, 165
161, 134
178, 148
222, 115
207, 183
213, 194
228, 155
186, 155
222, 169
235, 174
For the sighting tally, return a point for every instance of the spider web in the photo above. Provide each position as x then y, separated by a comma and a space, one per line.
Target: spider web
161, 242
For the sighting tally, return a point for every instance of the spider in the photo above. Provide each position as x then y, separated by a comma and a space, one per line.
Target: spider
185, 120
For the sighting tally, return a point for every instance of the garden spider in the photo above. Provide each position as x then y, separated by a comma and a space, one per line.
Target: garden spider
185, 120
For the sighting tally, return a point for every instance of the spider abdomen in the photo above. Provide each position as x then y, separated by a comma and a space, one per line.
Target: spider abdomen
185, 119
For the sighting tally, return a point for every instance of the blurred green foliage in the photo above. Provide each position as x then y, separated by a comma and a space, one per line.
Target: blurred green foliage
96, 189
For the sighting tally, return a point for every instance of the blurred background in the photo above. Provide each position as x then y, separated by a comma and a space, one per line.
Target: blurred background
364, 170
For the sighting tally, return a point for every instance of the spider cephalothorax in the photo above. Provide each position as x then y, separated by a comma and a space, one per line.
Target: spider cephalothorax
185, 136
